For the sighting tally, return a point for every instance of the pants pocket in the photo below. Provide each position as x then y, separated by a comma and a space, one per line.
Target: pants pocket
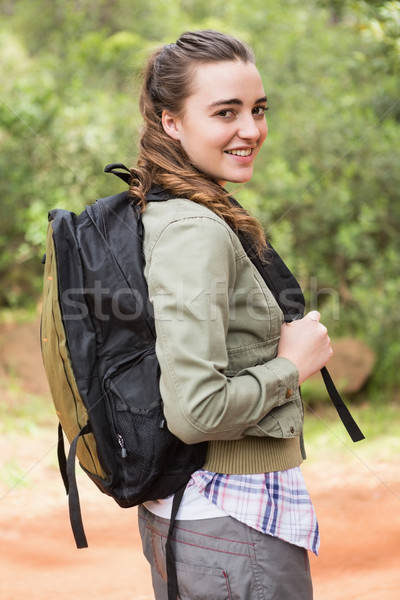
202, 583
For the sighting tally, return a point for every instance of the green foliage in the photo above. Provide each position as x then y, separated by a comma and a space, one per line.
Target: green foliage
329, 191
325, 435
327, 182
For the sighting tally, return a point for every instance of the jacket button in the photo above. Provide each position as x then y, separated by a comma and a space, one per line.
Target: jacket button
292, 430
288, 393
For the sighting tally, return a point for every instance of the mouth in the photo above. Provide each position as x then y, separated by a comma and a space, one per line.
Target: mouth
240, 152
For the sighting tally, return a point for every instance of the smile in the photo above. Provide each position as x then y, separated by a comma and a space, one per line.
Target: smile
246, 152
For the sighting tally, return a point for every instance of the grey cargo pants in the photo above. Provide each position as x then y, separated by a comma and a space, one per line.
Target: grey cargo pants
223, 559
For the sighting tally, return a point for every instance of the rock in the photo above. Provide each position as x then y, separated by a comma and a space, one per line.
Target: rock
350, 366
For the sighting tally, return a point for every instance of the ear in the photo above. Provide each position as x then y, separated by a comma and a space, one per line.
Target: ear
171, 125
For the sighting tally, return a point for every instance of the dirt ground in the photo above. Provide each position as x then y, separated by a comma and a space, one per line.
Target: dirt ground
357, 502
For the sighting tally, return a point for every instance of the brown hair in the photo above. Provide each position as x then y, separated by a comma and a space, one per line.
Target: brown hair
167, 82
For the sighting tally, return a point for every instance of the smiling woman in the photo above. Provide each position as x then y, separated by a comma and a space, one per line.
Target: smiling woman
222, 137
230, 368
174, 76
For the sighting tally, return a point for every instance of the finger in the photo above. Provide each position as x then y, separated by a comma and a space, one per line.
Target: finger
314, 315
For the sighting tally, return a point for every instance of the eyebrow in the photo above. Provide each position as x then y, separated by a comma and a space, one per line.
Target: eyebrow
235, 101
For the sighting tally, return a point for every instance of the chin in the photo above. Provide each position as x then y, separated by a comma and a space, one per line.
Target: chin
240, 179
234, 179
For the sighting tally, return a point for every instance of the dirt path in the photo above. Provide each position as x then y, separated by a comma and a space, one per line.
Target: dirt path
357, 502
359, 515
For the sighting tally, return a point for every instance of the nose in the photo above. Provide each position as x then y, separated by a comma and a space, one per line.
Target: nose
248, 128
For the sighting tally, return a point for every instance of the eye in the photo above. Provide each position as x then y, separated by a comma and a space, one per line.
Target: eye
259, 111
226, 113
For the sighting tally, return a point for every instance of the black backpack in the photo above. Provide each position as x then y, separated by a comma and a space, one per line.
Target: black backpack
98, 347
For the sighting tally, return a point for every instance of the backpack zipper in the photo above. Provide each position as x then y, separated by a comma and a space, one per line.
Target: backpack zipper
121, 442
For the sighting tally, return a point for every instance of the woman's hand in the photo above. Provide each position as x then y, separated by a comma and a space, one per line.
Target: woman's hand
306, 343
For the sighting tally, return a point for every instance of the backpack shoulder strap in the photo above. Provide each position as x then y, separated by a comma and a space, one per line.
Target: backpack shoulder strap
290, 299
172, 580
120, 171
74, 504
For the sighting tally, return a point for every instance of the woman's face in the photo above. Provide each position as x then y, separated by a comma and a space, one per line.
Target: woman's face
223, 124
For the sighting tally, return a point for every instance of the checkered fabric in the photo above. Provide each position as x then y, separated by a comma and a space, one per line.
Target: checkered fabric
276, 504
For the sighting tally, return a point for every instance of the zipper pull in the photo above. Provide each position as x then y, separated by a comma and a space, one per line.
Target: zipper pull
121, 442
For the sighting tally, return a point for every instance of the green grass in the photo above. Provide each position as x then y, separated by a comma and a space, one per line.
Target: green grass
19, 315
12, 474
325, 434
24, 418
23, 412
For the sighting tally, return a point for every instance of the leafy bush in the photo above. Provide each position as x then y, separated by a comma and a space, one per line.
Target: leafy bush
327, 182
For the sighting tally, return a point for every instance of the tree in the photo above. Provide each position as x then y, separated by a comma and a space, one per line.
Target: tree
327, 180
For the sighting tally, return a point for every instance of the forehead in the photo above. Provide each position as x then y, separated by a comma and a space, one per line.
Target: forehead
213, 82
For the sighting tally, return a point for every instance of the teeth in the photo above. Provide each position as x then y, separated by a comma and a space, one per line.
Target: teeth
240, 152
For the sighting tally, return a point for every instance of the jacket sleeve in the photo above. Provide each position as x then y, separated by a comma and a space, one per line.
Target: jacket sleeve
190, 277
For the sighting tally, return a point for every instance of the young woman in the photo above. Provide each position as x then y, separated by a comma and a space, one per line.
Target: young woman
230, 367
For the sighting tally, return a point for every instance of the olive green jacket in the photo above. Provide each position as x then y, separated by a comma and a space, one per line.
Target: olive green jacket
218, 328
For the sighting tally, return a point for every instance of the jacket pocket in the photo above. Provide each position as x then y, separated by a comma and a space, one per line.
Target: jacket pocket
284, 421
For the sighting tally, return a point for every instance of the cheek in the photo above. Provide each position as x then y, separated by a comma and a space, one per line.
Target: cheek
264, 131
